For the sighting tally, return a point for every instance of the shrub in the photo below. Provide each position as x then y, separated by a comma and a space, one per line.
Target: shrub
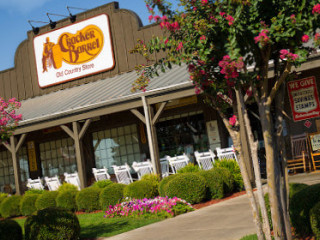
67, 186
164, 183
188, 186
227, 178
296, 187
10, 206
34, 191
189, 168
315, 220
300, 206
27, 204
88, 199
10, 230
102, 183
141, 189
214, 184
67, 199
154, 179
46, 199
234, 168
52, 224
3, 196
111, 195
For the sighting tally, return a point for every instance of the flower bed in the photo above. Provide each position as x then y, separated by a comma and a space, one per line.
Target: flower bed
148, 208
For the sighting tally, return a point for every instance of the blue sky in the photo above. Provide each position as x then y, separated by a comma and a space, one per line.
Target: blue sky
14, 16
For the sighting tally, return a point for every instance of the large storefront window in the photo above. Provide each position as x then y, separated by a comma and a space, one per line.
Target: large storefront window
182, 133
6, 169
116, 146
58, 157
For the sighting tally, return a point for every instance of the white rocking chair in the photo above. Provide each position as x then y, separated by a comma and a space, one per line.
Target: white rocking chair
226, 153
142, 168
35, 184
178, 162
205, 160
100, 174
72, 178
123, 174
53, 183
164, 163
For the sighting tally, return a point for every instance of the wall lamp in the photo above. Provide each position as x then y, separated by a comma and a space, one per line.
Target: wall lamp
52, 23
35, 29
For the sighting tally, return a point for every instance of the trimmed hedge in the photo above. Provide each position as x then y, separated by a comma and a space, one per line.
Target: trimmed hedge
189, 168
46, 199
141, 189
188, 186
34, 191
88, 199
111, 195
300, 206
28, 204
315, 220
102, 183
2, 197
10, 230
10, 206
227, 178
52, 224
295, 188
164, 183
66, 199
67, 187
214, 183
234, 168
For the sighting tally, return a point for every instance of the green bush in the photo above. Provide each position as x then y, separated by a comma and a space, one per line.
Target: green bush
28, 204
300, 206
227, 178
102, 183
188, 186
164, 183
67, 199
52, 224
46, 199
3, 196
315, 220
141, 189
189, 168
154, 179
88, 199
67, 187
34, 191
296, 187
214, 184
111, 195
234, 168
10, 206
10, 230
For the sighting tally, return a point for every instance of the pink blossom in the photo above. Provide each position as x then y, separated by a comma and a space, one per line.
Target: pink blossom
191, 67
285, 54
195, 9
316, 9
166, 41
230, 68
203, 37
230, 19
204, 2
262, 38
233, 120
293, 18
305, 38
180, 45
157, 18
150, 18
222, 14
317, 38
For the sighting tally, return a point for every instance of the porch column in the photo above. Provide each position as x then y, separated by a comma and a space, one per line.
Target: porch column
77, 134
150, 121
13, 147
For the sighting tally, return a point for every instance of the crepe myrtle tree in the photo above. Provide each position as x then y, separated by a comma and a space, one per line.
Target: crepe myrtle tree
8, 118
228, 47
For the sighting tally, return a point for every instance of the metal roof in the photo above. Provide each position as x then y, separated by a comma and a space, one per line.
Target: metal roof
97, 94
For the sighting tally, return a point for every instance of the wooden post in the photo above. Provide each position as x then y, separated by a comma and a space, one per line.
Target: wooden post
77, 134
14, 148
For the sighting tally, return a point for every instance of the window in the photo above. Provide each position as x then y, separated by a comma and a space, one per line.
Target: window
6, 169
58, 157
116, 146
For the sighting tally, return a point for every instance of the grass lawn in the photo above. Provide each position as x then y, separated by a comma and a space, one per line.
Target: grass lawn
94, 225
250, 237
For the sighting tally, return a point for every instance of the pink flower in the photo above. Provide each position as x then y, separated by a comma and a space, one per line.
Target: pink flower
305, 38
157, 18
293, 18
233, 120
180, 45
203, 37
262, 38
316, 9
230, 68
222, 14
166, 41
150, 18
317, 38
204, 2
290, 57
230, 19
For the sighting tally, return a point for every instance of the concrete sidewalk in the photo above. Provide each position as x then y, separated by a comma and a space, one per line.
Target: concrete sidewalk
227, 220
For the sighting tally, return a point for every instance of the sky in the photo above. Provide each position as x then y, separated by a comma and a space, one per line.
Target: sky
14, 16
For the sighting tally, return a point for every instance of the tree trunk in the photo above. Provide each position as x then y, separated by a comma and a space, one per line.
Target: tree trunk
273, 172
254, 154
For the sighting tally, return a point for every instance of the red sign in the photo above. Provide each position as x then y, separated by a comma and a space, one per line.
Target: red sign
304, 100
307, 124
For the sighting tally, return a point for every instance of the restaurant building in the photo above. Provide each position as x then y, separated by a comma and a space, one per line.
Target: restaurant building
74, 83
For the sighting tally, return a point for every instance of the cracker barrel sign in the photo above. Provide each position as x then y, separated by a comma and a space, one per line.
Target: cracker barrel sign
74, 51
304, 100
